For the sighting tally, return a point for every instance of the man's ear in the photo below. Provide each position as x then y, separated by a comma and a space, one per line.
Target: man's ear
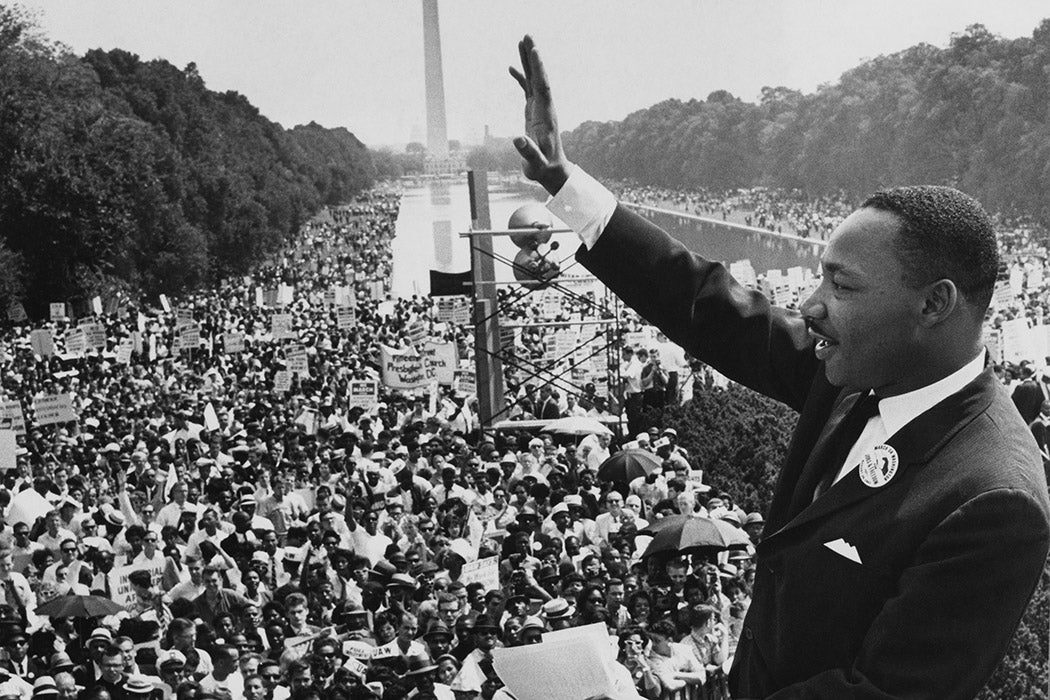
939, 302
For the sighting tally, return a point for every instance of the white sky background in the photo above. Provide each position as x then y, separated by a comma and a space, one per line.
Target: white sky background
359, 63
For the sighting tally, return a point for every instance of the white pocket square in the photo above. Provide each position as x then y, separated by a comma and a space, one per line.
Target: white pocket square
844, 548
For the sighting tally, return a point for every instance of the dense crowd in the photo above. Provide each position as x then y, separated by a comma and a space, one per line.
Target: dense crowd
263, 533
773, 210
260, 535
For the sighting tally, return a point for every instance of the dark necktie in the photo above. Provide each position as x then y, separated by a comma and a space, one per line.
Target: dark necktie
845, 437
11, 594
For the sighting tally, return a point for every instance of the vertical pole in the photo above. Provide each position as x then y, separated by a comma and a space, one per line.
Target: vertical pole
486, 326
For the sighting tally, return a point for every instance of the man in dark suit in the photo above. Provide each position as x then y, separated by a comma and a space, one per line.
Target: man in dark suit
1028, 396
18, 662
910, 521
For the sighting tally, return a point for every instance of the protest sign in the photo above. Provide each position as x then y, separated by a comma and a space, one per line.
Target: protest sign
564, 343
452, 308
1015, 340
8, 450
363, 393
744, 273
1016, 280
165, 304
281, 326
308, 419
120, 587
124, 350
402, 369
356, 649
507, 338
282, 381
58, 310
417, 333
16, 312
11, 417
211, 418
1003, 295
41, 342
329, 298
96, 305
484, 571
285, 294
297, 360
55, 408
1037, 342
344, 295
183, 317
300, 646
94, 335
233, 342
635, 339
441, 361
76, 342
26, 506
345, 317
1034, 280
189, 338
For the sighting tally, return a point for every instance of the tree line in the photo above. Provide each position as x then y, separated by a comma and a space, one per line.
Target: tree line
973, 115
123, 174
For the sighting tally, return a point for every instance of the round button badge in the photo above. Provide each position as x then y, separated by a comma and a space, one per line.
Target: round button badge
878, 466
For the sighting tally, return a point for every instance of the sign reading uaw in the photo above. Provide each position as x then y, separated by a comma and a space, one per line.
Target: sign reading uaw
403, 369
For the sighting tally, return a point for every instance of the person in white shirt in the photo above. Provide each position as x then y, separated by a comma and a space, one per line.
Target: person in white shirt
150, 557
172, 512
366, 540
188, 590
225, 675
54, 534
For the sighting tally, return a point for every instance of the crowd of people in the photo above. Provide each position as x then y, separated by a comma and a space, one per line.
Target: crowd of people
776, 210
258, 536
263, 536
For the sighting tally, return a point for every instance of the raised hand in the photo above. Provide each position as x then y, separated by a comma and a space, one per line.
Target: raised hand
541, 148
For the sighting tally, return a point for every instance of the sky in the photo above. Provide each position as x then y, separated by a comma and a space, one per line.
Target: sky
359, 63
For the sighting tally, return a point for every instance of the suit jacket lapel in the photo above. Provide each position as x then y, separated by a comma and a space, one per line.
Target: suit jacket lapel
823, 398
816, 466
916, 443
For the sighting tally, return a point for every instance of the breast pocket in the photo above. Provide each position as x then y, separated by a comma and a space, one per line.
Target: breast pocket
826, 597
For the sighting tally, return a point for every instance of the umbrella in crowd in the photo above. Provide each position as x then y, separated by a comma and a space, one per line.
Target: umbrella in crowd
687, 534
577, 425
627, 465
79, 606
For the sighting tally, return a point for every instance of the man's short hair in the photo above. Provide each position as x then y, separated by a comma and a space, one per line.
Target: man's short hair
944, 234
294, 599
140, 578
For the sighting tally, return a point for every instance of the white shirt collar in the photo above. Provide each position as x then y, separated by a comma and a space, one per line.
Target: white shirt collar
898, 411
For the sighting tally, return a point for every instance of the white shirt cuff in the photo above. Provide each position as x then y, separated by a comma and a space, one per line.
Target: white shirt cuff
584, 205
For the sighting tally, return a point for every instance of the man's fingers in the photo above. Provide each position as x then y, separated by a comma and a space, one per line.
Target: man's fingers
524, 47
516, 74
538, 75
528, 150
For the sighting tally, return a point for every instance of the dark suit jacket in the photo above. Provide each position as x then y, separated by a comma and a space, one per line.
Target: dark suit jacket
34, 670
951, 547
1028, 397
